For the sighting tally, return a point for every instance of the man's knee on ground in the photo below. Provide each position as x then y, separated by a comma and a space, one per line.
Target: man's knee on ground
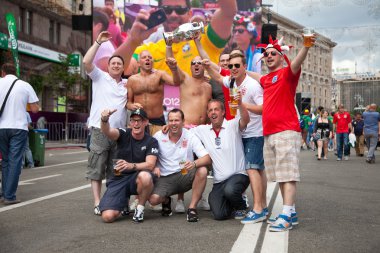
109, 216
230, 191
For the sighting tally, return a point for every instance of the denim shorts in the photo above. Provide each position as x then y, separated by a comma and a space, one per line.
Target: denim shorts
253, 150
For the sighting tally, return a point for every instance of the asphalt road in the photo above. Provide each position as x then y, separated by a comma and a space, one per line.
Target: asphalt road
337, 203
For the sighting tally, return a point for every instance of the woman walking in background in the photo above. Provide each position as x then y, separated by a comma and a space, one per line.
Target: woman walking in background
323, 133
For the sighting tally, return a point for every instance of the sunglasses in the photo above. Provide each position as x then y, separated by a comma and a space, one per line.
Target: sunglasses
236, 65
196, 62
179, 10
273, 53
239, 30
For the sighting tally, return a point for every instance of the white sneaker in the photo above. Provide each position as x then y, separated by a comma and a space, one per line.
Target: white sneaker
203, 204
133, 205
346, 158
180, 207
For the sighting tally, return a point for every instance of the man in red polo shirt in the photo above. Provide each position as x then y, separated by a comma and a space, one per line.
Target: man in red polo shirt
342, 127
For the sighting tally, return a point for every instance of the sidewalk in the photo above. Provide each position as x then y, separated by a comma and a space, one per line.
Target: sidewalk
63, 145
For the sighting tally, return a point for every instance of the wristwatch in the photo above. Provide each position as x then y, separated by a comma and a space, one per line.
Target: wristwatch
134, 166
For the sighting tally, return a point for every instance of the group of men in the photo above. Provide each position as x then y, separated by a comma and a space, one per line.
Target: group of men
151, 166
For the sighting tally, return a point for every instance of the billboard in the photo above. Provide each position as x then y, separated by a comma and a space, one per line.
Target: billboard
245, 33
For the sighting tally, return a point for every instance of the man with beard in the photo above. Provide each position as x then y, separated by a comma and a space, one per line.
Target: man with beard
146, 90
179, 12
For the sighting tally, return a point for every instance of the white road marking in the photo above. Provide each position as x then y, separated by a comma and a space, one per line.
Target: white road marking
60, 164
30, 181
10, 207
247, 240
276, 241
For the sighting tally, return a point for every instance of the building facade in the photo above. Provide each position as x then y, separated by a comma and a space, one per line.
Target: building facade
316, 78
44, 34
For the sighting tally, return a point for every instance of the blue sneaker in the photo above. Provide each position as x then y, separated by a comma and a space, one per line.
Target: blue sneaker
266, 211
239, 214
293, 216
283, 223
253, 217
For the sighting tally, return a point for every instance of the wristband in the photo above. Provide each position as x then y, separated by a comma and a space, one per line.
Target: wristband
98, 42
104, 121
194, 164
134, 166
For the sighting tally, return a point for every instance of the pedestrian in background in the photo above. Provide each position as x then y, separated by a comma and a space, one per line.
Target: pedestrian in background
371, 131
13, 128
358, 124
342, 127
28, 156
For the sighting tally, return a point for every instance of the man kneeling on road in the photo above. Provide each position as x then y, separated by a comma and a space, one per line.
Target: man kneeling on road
223, 140
176, 151
138, 153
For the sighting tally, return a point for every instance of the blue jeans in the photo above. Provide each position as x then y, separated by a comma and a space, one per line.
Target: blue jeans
12, 147
226, 196
342, 143
371, 141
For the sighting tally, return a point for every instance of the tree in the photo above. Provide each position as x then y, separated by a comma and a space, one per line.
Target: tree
196, 4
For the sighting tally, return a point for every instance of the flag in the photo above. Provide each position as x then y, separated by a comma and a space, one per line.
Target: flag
11, 23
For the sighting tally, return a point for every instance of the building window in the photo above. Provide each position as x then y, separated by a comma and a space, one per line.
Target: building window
51, 31
21, 20
28, 26
58, 33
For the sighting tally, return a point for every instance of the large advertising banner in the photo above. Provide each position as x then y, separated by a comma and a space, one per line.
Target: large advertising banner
245, 33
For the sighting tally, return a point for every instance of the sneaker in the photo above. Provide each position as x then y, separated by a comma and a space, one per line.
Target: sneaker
253, 217
339, 159
97, 210
203, 204
283, 223
179, 207
126, 211
239, 214
11, 202
266, 211
167, 208
133, 205
245, 198
293, 216
210, 176
192, 215
138, 216
346, 158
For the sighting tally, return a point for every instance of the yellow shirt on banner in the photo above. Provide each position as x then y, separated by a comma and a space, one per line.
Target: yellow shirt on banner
184, 51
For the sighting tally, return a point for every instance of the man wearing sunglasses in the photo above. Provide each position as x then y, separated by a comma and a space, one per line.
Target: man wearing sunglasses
253, 140
179, 12
245, 36
282, 139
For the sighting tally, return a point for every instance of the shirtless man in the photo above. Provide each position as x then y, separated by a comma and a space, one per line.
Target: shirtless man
195, 92
146, 90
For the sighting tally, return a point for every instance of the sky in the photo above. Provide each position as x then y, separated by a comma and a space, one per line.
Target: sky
353, 24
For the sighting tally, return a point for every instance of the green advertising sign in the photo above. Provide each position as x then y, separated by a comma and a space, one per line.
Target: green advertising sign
11, 23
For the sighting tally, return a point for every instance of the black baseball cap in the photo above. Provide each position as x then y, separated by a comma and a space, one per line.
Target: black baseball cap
140, 112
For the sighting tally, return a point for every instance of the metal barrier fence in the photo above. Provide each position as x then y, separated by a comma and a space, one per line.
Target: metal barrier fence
76, 132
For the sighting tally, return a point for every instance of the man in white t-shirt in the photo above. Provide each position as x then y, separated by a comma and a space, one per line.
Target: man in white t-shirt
223, 141
176, 151
108, 91
13, 129
253, 140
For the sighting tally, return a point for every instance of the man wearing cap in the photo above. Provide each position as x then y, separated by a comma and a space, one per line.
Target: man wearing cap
138, 153
282, 139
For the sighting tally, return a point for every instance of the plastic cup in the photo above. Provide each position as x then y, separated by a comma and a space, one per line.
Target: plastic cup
114, 163
233, 103
307, 35
182, 167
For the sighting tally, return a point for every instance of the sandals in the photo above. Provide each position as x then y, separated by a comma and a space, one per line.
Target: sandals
192, 215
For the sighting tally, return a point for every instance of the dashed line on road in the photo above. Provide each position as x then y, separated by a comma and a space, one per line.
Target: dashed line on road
68, 153
25, 182
60, 164
28, 202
